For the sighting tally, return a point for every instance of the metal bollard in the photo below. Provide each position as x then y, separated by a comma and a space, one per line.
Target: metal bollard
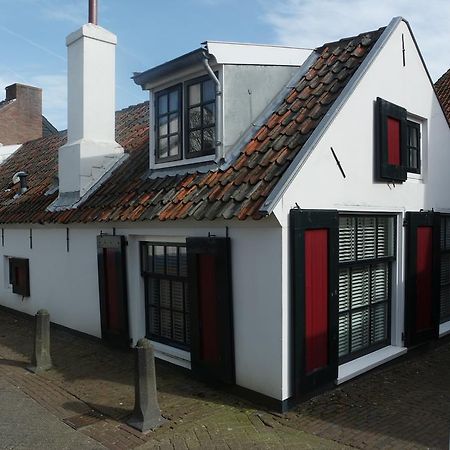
41, 359
146, 414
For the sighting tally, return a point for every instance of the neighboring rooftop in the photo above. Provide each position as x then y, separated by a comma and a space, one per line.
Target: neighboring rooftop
443, 92
236, 191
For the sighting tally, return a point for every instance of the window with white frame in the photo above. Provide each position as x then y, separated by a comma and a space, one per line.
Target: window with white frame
366, 254
185, 120
164, 269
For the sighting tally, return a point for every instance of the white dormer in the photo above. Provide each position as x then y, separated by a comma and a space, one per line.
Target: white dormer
202, 102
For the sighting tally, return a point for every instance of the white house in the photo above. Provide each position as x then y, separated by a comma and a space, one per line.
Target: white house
274, 218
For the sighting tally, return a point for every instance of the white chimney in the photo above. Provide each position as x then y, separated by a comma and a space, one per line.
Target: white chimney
91, 149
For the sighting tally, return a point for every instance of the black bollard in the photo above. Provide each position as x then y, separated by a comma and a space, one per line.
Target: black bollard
41, 359
146, 414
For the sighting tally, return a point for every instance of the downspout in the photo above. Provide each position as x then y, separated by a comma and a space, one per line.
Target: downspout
219, 101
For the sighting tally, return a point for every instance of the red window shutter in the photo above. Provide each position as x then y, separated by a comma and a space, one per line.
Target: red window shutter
394, 137
210, 298
316, 299
391, 141
424, 278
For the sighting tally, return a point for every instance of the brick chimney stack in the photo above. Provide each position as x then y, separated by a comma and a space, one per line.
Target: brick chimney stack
21, 114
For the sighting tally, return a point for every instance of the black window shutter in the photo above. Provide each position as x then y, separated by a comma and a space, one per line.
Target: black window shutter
19, 276
391, 141
422, 277
314, 271
210, 295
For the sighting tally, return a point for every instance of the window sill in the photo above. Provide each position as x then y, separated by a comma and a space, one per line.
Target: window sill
368, 362
444, 329
172, 354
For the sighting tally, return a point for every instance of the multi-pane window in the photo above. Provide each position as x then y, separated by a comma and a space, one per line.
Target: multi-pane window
366, 252
201, 117
413, 146
445, 269
164, 268
168, 124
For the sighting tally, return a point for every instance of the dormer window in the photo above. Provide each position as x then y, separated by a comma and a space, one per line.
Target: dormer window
201, 112
198, 108
168, 124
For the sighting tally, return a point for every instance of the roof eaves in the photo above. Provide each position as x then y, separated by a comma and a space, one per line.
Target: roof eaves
286, 179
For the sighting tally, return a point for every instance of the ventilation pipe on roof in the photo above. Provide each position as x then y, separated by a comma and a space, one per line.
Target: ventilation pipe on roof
22, 178
219, 121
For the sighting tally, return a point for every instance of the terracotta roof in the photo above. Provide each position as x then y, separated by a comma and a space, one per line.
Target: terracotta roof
235, 192
443, 92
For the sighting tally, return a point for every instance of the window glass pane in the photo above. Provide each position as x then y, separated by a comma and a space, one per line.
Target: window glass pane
344, 334
347, 241
344, 289
163, 126
183, 262
413, 163
380, 283
166, 323
153, 321
385, 236
208, 139
194, 94
173, 101
360, 330
379, 323
159, 259
447, 233
177, 295
195, 120
360, 287
162, 104
209, 112
147, 258
173, 125
178, 327
195, 141
171, 260
164, 294
209, 92
413, 137
366, 233
163, 147
174, 148
153, 292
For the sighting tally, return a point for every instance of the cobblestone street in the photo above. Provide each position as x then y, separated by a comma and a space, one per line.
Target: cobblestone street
403, 405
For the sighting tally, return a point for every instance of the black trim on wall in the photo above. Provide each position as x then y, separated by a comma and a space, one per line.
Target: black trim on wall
300, 221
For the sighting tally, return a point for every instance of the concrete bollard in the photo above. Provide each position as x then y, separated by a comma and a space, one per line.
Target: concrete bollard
146, 414
41, 359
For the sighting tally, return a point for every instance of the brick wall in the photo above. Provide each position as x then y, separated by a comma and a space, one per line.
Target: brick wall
21, 120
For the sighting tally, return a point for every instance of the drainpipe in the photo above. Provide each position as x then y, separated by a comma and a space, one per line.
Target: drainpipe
219, 118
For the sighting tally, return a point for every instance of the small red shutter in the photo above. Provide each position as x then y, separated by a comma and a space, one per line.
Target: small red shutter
316, 299
391, 141
393, 134
424, 278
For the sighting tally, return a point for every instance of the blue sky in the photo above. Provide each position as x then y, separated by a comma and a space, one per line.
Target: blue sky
32, 34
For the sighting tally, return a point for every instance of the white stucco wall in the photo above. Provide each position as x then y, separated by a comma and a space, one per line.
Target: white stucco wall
66, 283
320, 185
